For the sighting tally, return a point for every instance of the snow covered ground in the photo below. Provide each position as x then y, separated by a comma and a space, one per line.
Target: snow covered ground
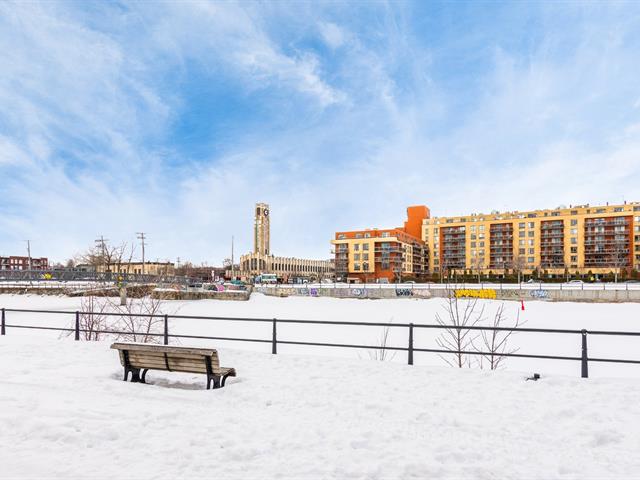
540, 314
65, 413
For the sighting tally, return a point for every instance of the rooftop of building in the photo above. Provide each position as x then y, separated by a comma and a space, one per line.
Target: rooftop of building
560, 211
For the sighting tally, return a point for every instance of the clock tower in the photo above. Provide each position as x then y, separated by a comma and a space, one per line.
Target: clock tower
261, 230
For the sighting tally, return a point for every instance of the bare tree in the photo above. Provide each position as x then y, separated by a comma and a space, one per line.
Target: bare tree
494, 344
93, 318
477, 266
108, 256
518, 264
456, 337
619, 255
141, 320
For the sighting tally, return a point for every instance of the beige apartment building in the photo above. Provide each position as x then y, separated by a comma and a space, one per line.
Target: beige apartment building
579, 239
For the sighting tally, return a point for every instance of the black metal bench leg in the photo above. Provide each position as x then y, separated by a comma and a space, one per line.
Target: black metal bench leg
126, 374
216, 382
135, 375
224, 379
143, 378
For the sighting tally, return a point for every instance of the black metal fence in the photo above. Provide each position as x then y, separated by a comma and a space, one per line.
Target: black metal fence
410, 349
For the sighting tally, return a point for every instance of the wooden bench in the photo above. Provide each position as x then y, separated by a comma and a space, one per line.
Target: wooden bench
139, 358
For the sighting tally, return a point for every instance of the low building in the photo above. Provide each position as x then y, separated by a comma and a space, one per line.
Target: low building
261, 260
391, 255
148, 268
286, 268
23, 263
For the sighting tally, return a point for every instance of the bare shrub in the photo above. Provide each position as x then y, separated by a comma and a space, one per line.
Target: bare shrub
138, 322
494, 343
381, 353
456, 337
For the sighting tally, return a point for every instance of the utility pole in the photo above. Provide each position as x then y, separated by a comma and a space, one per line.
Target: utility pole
101, 243
141, 238
29, 253
232, 259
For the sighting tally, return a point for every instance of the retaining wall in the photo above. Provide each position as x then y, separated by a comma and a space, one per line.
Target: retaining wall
487, 293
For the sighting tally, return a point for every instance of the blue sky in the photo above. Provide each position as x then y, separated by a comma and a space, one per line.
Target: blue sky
174, 118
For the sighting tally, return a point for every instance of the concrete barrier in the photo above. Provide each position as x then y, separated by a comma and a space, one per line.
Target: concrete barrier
593, 296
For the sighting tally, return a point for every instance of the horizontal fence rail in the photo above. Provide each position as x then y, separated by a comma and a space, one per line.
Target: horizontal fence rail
583, 358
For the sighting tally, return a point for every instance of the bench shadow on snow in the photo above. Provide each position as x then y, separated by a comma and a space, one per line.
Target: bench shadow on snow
177, 380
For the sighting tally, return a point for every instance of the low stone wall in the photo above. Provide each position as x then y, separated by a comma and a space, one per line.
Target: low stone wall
486, 293
208, 295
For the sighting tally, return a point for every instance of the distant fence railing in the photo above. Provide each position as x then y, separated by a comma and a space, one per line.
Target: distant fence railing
274, 340
622, 286
46, 276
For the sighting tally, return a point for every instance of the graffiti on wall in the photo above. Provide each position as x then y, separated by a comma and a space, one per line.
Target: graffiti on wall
539, 294
484, 293
404, 292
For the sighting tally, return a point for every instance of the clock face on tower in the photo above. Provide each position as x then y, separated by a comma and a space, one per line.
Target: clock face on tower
266, 212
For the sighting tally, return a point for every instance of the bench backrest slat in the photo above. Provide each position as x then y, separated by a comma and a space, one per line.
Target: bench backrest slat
159, 357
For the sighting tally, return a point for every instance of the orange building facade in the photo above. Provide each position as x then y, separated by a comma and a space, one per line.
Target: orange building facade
389, 255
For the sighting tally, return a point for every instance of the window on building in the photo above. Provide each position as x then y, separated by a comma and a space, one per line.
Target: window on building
385, 234
473, 236
531, 259
600, 210
341, 236
358, 235
530, 233
618, 209
356, 247
481, 244
574, 241
521, 225
473, 244
574, 212
365, 256
521, 242
367, 235
574, 222
574, 249
574, 258
365, 246
532, 251
532, 224
530, 243
480, 235
356, 256
521, 233
365, 266
521, 251
356, 266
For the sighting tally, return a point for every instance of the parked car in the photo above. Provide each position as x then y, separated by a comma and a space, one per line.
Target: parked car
575, 282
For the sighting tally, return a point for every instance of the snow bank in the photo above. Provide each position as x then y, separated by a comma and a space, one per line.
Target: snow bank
65, 413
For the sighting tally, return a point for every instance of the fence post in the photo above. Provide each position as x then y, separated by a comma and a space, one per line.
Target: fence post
77, 325
411, 344
166, 329
585, 358
2, 328
274, 339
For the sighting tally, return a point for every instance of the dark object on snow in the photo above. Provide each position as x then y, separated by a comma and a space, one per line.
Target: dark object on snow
535, 378
139, 357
